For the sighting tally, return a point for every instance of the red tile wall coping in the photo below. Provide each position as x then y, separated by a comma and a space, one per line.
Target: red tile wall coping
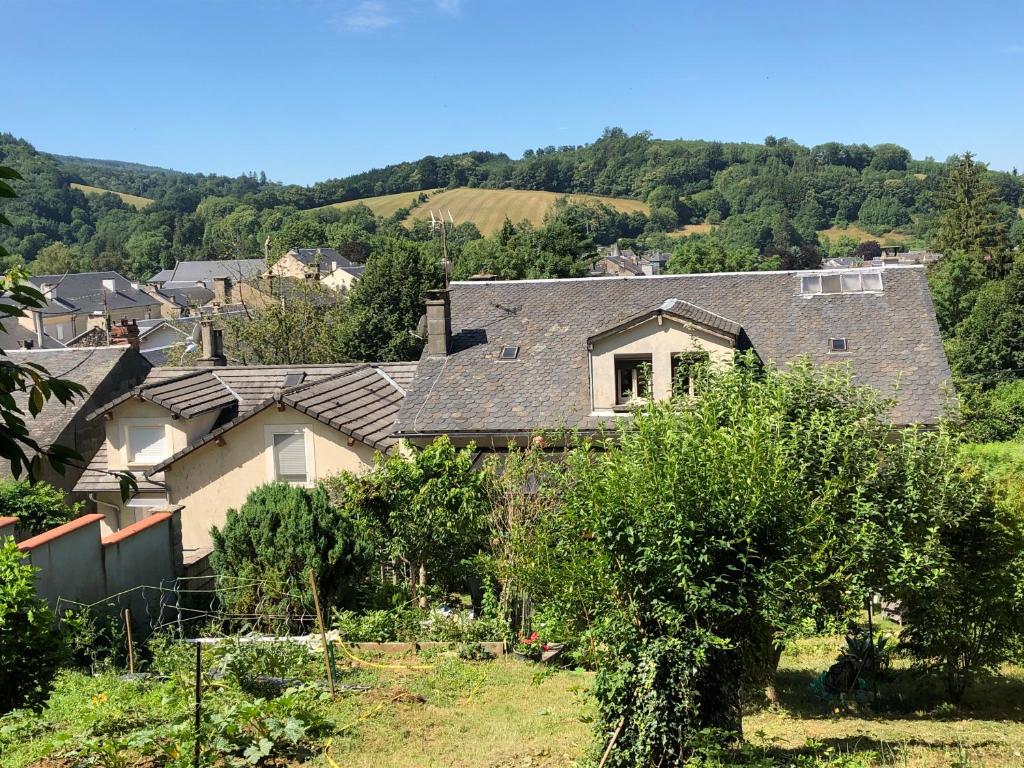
55, 533
5, 521
131, 530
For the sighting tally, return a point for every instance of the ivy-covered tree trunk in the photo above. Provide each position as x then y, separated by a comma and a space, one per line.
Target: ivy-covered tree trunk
718, 687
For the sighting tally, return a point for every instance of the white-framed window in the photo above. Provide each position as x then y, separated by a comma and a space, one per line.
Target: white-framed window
290, 454
831, 283
146, 441
632, 378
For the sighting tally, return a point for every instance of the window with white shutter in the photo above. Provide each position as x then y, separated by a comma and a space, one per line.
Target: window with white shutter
290, 457
147, 444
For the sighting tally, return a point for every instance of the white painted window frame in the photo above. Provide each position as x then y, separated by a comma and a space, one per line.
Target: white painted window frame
290, 429
127, 424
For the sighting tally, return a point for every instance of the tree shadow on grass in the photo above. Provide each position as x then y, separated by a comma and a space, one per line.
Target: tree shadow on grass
906, 695
886, 752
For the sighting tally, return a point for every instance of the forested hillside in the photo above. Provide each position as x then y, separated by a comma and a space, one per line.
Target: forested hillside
761, 200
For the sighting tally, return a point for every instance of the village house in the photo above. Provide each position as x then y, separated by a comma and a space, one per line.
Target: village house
204, 437
325, 265
76, 302
105, 372
220, 284
505, 359
616, 262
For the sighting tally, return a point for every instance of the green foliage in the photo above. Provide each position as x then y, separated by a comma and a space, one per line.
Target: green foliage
266, 549
961, 610
972, 220
386, 304
425, 510
993, 414
38, 506
706, 253
883, 214
709, 520
30, 646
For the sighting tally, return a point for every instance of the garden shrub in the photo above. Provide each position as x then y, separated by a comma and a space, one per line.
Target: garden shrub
30, 647
263, 554
38, 506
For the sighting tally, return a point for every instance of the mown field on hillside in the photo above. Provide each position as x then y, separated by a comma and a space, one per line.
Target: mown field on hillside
487, 208
133, 200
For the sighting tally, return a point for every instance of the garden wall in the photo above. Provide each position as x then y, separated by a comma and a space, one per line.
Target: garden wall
77, 564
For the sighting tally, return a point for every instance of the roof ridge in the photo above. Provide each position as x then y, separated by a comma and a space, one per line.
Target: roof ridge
667, 302
389, 380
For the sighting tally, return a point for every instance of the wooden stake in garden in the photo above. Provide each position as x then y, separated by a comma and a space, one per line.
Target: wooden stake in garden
323, 632
128, 634
199, 701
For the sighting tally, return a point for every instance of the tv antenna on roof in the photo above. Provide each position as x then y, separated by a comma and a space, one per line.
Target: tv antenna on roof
438, 224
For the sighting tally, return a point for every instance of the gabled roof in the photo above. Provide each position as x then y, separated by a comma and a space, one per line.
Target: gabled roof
322, 258
893, 339
190, 394
187, 295
85, 293
359, 400
12, 335
682, 310
160, 277
188, 273
89, 366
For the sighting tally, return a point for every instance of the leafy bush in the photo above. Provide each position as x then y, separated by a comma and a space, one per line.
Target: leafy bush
38, 506
399, 625
996, 414
30, 646
962, 615
94, 640
264, 552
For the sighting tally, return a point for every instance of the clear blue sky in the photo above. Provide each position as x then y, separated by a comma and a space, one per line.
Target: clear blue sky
314, 89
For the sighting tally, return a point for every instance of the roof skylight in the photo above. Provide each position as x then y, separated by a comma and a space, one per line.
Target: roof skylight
841, 282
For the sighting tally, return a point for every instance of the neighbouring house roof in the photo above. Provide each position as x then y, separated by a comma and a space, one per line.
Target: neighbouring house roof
187, 273
326, 260
89, 366
683, 310
160, 277
85, 293
893, 340
360, 400
13, 335
187, 295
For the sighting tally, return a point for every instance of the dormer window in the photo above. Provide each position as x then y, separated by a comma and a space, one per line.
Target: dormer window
632, 378
685, 369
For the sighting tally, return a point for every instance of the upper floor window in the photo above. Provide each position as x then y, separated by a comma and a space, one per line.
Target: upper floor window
147, 444
685, 370
289, 455
632, 378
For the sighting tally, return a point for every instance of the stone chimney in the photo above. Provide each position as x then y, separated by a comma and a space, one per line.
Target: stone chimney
439, 322
213, 346
222, 290
126, 332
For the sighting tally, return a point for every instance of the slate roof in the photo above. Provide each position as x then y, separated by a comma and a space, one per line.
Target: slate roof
358, 399
187, 295
97, 478
683, 310
160, 277
88, 366
893, 338
12, 335
188, 273
84, 293
186, 395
